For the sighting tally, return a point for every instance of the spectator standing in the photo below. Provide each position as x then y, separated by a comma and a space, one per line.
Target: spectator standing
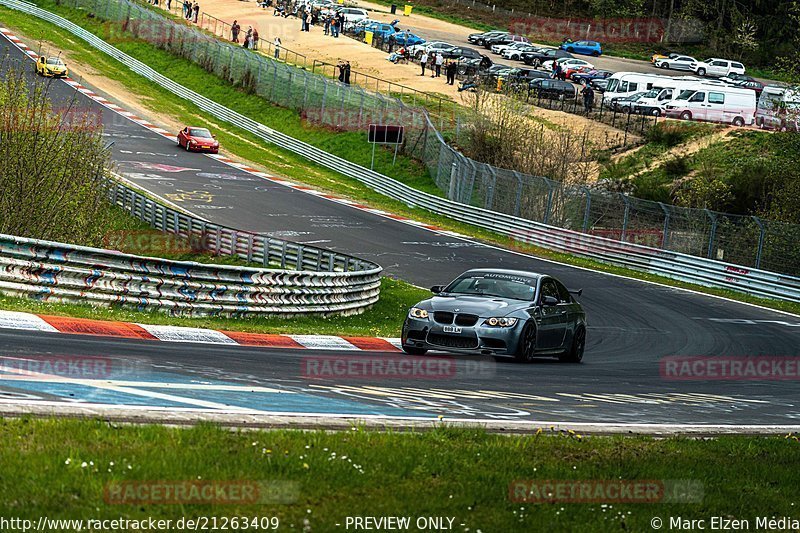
254, 44
277, 45
169, 5
185, 9
235, 28
248, 37
451, 69
340, 66
432, 64
423, 60
588, 98
335, 25
347, 73
196, 11
326, 21
308, 21
439, 63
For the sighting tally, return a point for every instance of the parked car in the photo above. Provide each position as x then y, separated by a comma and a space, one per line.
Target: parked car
655, 57
499, 312
353, 15
551, 89
197, 140
515, 54
52, 67
536, 58
755, 85
499, 49
468, 66
504, 39
462, 52
733, 77
589, 48
587, 76
676, 63
599, 84
480, 38
717, 67
625, 104
569, 65
714, 103
430, 46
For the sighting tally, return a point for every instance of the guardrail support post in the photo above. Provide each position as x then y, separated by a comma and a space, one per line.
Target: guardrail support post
665, 238
588, 209
549, 201
518, 199
490, 190
713, 234
625, 216
761, 235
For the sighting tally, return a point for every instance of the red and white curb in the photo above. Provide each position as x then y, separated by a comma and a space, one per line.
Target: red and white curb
222, 158
130, 330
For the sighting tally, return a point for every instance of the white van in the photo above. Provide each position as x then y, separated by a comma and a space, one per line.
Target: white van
665, 91
779, 108
714, 103
623, 84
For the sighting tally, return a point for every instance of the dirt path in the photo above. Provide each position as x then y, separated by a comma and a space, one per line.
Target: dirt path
365, 59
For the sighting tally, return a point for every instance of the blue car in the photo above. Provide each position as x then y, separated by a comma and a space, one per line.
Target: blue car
384, 31
589, 48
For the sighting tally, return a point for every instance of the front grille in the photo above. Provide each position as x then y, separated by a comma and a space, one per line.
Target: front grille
416, 335
452, 341
443, 317
496, 344
466, 320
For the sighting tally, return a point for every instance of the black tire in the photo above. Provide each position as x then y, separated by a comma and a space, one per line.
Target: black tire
701, 72
595, 54
655, 113
686, 115
738, 122
462, 70
526, 351
417, 54
411, 350
187, 147
575, 353
571, 50
665, 66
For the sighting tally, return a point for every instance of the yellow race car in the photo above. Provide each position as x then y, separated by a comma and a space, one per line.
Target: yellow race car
51, 67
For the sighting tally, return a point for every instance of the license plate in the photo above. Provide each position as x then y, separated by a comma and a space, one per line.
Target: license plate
451, 329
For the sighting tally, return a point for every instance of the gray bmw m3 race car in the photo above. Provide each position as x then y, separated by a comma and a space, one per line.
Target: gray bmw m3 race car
499, 312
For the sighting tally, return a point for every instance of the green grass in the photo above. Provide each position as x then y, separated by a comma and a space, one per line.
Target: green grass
61, 468
384, 319
277, 161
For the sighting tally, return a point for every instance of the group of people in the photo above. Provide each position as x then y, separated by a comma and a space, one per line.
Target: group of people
434, 63
344, 72
250, 38
332, 23
191, 9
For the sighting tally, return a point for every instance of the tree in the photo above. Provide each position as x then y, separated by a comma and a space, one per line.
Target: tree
51, 164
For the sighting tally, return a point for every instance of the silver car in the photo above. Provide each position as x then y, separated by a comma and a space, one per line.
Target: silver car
499, 312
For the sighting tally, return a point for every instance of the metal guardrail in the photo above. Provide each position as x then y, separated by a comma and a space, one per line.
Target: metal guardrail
307, 280
674, 265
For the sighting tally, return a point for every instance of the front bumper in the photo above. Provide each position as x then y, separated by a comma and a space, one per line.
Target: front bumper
478, 339
204, 148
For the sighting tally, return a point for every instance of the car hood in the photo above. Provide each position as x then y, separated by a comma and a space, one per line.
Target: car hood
483, 306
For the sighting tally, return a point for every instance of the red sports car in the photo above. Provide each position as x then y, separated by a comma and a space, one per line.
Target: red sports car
198, 140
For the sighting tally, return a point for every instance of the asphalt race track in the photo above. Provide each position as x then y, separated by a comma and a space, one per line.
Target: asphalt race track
632, 325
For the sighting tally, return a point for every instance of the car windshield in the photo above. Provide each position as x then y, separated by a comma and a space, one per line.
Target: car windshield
515, 287
54, 61
652, 93
685, 95
200, 132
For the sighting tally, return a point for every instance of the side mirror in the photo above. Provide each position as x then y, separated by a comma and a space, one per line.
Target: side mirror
436, 289
549, 300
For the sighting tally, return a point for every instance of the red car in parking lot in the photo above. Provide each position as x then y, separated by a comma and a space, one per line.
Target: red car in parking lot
198, 140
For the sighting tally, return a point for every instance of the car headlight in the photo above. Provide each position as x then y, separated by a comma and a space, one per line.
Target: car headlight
500, 322
416, 312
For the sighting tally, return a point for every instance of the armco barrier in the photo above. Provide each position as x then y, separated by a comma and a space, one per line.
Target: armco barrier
307, 280
662, 262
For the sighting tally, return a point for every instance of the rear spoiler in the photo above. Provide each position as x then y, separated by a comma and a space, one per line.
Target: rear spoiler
576, 293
